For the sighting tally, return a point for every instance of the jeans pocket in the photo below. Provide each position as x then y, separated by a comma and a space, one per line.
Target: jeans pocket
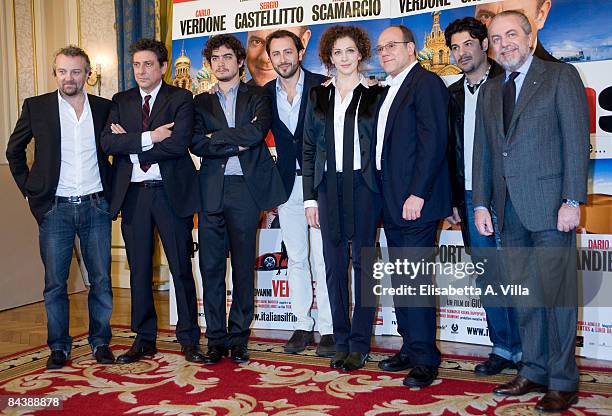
101, 206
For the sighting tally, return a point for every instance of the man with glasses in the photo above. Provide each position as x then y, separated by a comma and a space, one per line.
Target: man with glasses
412, 133
238, 180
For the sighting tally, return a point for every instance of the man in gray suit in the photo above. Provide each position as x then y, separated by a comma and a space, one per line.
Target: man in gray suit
530, 166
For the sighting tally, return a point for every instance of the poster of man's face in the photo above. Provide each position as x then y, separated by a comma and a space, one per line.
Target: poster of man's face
258, 62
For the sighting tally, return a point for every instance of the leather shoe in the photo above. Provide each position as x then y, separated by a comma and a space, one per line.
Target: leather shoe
214, 354
494, 365
518, 386
299, 341
192, 353
338, 359
421, 376
354, 361
557, 401
240, 354
327, 346
56, 360
136, 353
104, 355
398, 362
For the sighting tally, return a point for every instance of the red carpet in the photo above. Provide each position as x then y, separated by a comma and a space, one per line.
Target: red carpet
273, 383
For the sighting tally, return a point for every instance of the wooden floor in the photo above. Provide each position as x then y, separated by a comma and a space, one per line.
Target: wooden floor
25, 327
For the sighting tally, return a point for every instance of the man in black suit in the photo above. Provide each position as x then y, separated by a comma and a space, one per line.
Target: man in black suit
467, 40
238, 180
289, 92
68, 188
155, 186
412, 134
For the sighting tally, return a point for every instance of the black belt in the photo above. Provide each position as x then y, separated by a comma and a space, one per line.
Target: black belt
148, 184
79, 199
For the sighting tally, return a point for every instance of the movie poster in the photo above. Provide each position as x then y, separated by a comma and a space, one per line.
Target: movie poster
570, 31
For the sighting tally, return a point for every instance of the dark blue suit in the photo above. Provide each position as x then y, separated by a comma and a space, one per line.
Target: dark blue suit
288, 145
414, 163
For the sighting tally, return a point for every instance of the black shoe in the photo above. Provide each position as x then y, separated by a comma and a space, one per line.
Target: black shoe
354, 361
214, 354
240, 354
327, 346
56, 360
136, 353
192, 353
299, 341
494, 365
421, 376
338, 359
104, 355
398, 362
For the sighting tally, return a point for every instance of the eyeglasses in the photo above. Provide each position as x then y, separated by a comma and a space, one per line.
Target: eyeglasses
389, 47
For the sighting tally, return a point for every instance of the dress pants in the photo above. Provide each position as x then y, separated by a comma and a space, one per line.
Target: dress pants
415, 315
144, 209
355, 335
237, 225
501, 320
547, 329
296, 233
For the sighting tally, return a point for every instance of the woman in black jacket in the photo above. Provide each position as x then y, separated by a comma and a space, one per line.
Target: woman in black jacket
341, 191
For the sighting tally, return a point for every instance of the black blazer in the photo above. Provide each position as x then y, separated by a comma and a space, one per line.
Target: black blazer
40, 119
315, 144
253, 119
414, 151
456, 162
178, 173
288, 145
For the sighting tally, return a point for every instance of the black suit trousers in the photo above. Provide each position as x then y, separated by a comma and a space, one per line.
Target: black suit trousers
350, 335
145, 209
235, 224
415, 323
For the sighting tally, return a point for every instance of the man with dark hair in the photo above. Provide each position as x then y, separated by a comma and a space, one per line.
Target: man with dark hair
531, 158
535, 10
155, 186
467, 40
412, 130
290, 96
257, 57
238, 180
68, 189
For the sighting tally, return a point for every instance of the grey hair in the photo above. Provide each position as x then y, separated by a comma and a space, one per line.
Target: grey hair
523, 20
73, 51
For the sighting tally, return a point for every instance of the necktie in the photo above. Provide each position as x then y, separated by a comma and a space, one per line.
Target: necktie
146, 110
509, 99
348, 149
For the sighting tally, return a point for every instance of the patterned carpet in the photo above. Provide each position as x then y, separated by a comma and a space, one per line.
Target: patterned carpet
272, 383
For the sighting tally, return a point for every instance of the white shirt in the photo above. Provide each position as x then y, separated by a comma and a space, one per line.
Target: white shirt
469, 124
153, 174
518, 81
289, 113
340, 107
79, 171
394, 84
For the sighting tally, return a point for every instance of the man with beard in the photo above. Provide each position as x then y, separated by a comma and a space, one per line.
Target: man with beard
257, 58
290, 96
531, 155
238, 180
535, 10
68, 189
467, 40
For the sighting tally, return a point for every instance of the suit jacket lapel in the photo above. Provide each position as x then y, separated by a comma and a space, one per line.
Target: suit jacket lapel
308, 84
241, 104
97, 121
531, 84
217, 111
56, 128
160, 102
401, 94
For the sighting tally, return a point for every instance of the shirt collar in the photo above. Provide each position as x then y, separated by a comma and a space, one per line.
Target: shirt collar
399, 78
153, 93
62, 101
362, 80
523, 68
300, 84
232, 90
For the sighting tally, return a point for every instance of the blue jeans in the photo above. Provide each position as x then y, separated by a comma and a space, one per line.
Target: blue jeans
91, 221
502, 321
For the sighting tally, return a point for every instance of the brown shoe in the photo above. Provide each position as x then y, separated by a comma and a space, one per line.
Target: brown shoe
557, 401
518, 386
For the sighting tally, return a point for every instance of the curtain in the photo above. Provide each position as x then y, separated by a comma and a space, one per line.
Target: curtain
135, 20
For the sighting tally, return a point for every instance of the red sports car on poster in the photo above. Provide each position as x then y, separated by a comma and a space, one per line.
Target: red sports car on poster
272, 261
